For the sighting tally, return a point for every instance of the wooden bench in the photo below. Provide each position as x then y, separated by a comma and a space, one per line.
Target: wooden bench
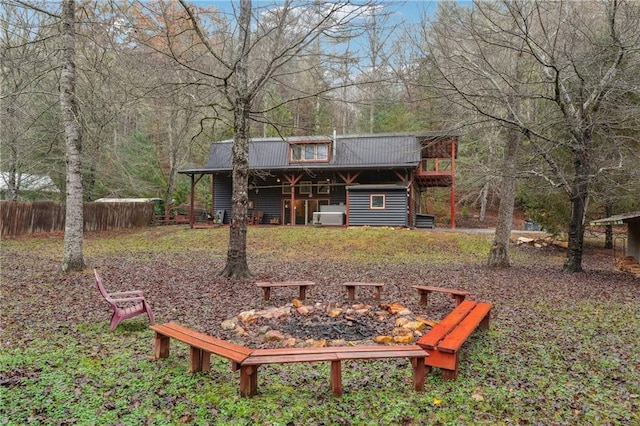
335, 355
201, 346
444, 340
248, 360
351, 289
267, 285
458, 295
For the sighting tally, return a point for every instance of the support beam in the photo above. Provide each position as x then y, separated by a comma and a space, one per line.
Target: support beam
348, 179
293, 180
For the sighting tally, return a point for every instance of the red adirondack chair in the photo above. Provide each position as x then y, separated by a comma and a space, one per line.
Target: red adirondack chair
125, 304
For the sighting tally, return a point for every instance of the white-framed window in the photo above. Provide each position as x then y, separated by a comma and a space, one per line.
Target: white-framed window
312, 152
286, 188
305, 187
377, 201
324, 187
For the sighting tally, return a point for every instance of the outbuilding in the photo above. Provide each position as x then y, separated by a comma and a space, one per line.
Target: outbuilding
632, 246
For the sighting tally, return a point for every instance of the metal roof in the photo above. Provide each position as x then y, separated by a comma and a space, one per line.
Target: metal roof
393, 150
618, 219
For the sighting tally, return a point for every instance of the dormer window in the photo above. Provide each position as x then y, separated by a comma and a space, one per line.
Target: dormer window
309, 152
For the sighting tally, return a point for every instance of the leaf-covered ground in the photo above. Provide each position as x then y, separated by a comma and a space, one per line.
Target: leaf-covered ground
563, 348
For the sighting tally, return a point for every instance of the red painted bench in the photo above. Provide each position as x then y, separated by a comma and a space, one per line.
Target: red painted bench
335, 355
444, 340
268, 285
201, 346
351, 289
248, 360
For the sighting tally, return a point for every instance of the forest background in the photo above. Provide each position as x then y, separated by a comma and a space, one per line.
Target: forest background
545, 93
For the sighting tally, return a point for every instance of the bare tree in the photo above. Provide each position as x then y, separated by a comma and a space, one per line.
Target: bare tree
482, 75
574, 59
73, 258
28, 118
239, 68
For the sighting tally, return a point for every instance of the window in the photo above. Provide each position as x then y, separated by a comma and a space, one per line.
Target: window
323, 187
310, 152
377, 201
305, 187
286, 188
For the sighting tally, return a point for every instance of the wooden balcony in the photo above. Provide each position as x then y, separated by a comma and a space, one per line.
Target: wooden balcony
436, 172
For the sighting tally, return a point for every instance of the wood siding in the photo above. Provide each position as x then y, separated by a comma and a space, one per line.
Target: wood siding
394, 213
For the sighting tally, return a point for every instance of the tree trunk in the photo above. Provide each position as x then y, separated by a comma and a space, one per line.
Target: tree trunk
236, 266
73, 259
484, 194
578, 199
499, 253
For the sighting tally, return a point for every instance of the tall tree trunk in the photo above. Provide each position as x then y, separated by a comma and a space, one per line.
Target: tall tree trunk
237, 266
484, 194
499, 253
578, 199
73, 259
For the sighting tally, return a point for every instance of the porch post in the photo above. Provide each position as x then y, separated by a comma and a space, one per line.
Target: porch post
293, 180
411, 189
348, 179
213, 196
292, 213
192, 202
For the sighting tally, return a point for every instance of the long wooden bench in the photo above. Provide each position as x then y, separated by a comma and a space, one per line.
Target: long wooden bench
351, 289
424, 291
444, 340
335, 355
201, 346
268, 285
248, 360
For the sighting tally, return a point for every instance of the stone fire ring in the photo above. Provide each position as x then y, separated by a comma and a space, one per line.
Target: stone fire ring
298, 325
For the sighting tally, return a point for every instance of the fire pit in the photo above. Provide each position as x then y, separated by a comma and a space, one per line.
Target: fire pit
296, 324
326, 328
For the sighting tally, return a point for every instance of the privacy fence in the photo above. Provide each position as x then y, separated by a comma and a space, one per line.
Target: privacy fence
27, 218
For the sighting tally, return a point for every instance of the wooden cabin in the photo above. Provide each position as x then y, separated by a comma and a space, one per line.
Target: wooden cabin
374, 180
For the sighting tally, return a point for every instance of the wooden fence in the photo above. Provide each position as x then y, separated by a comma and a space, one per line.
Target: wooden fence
27, 218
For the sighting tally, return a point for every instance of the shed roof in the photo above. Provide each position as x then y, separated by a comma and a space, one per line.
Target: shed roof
29, 182
618, 219
377, 187
393, 150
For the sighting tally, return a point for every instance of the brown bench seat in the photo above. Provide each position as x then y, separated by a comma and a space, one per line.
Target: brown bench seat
444, 340
268, 285
335, 355
423, 290
201, 346
351, 289
248, 360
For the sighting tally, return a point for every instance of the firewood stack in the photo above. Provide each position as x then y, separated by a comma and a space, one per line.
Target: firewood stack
628, 264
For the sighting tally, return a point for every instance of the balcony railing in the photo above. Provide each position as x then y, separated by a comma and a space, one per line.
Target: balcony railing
435, 166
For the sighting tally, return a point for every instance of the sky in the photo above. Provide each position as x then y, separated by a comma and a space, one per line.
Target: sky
410, 10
